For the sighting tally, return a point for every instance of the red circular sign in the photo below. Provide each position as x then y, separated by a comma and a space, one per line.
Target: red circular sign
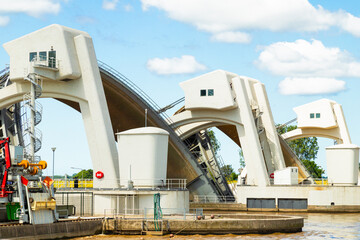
272, 175
99, 174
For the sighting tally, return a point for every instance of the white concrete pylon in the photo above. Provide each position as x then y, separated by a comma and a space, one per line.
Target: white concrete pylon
222, 98
69, 70
321, 118
249, 139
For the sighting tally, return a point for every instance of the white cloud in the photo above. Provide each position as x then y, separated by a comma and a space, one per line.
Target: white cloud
310, 86
4, 20
109, 4
302, 58
183, 65
128, 7
231, 37
309, 67
33, 8
350, 24
216, 16
85, 20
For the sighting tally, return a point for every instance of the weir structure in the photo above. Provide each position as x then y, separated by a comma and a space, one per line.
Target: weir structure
237, 105
101, 94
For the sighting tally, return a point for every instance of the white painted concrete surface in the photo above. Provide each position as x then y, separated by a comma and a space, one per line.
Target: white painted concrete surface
76, 63
116, 201
143, 156
316, 195
342, 164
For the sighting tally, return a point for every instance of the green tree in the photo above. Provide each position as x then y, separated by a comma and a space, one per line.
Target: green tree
228, 172
306, 150
87, 174
242, 159
213, 140
234, 176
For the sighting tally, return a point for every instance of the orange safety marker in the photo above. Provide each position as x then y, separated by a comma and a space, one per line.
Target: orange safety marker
48, 181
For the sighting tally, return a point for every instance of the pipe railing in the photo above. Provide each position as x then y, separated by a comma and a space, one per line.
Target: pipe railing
213, 199
164, 184
138, 92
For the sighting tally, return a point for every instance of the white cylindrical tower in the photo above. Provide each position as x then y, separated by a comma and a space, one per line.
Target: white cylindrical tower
143, 156
342, 164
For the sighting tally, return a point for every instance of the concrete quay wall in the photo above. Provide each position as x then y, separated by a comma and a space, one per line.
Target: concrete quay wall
236, 224
52, 231
238, 207
215, 207
315, 198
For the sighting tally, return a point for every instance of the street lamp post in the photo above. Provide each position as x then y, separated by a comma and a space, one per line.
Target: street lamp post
53, 149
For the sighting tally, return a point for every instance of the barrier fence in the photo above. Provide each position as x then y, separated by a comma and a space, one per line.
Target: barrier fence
213, 199
148, 213
170, 183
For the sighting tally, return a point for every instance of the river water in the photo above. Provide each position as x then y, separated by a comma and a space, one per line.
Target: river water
316, 226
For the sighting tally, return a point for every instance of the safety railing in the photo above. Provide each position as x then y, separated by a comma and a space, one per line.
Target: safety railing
137, 91
148, 213
124, 213
4, 77
212, 199
73, 183
5, 70
306, 182
168, 213
164, 184
129, 84
313, 181
50, 62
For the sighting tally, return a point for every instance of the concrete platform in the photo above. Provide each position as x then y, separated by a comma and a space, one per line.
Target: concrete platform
93, 202
226, 224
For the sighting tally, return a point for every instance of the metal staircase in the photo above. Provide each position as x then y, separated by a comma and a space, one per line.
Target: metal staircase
200, 146
10, 120
31, 116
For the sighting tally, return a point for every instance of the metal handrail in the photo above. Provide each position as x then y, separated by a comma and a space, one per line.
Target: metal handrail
131, 86
212, 199
50, 62
138, 92
5, 70
169, 183
4, 77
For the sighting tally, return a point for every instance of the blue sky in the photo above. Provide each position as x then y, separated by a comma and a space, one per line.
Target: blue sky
301, 50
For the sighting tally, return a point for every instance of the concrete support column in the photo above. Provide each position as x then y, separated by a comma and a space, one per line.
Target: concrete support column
343, 129
265, 147
96, 117
269, 125
249, 138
